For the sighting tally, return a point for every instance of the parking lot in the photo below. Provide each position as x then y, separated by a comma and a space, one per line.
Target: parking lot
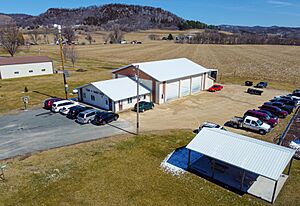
39, 129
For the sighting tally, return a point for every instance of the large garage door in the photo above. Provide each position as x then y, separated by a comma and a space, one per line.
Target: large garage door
196, 84
172, 90
185, 86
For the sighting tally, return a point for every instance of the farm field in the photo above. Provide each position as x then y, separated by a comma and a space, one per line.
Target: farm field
120, 171
280, 65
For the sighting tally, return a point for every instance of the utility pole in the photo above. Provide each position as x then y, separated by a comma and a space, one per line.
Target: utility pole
137, 75
62, 58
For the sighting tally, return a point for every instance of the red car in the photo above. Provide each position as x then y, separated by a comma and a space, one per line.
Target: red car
216, 87
49, 102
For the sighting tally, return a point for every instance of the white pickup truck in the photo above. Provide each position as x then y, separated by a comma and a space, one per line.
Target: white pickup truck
250, 123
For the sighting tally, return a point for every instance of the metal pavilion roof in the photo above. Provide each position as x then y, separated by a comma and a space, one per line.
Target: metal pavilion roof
257, 156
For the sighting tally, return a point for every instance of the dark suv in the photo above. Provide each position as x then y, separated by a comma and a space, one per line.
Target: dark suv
74, 111
103, 118
275, 110
262, 85
143, 106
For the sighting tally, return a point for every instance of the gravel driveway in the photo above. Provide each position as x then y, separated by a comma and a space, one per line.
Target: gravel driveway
39, 129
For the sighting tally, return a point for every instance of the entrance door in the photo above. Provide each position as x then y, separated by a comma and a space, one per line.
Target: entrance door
120, 105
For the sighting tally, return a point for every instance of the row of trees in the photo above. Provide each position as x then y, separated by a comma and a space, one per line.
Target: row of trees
190, 24
216, 37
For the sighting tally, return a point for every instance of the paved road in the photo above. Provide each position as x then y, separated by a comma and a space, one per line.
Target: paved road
39, 129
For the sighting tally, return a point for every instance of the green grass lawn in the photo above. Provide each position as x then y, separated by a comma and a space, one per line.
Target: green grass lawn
120, 171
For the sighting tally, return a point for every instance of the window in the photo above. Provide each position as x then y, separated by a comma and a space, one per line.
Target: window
106, 102
84, 95
88, 90
30, 71
162, 96
16, 72
247, 121
43, 70
96, 92
92, 97
145, 96
129, 100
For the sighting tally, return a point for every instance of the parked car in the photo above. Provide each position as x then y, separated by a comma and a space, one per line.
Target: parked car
248, 83
262, 116
250, 123
86, 116
282, 106
74, 111
65, 110
289, 100
254, 91
143, 106
56, 106
296, 94
270, 114
105, 118
296, 91
209, 125
215, 88
261, 85
275, 110
49, 102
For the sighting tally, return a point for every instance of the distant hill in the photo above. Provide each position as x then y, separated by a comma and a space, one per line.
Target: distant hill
283, 32
129, 17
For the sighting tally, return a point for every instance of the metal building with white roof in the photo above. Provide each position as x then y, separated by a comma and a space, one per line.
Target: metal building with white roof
114, 95
248, 154
170, 79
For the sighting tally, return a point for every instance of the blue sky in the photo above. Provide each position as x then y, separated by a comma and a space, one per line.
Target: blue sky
235, 12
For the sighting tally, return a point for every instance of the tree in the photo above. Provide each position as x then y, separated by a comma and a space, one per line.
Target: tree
11, 38
34, 36
89, 38
170, 37
153, 37
70, 53
69, 34
115, 36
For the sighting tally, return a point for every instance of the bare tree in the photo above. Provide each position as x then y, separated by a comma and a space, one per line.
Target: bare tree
46, 31
89, 38
34, 36
10, 38
69, 34
115, 36
70, 53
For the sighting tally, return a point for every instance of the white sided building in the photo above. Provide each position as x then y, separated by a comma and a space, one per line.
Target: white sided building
113, 95
25, 66
170, 79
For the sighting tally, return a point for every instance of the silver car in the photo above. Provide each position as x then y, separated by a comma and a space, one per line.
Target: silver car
87, 116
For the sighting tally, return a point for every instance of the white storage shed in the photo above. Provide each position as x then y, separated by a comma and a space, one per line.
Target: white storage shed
25, 66
113, 95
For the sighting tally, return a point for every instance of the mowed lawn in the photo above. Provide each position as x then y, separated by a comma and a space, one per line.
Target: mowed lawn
120, 171
279, 65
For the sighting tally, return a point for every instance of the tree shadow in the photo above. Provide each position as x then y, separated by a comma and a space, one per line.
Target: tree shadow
48, 95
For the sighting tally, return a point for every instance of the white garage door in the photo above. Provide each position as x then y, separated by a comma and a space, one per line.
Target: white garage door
196, 84
172, 90
185, 86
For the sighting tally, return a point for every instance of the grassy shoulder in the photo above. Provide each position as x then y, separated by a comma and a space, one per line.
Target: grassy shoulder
122, 170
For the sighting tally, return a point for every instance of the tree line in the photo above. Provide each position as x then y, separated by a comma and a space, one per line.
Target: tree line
217, 37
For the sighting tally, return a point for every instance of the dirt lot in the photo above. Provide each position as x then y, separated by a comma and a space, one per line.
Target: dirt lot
189, 112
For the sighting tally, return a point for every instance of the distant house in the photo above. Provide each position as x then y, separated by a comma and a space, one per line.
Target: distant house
170, 79
114, 95
14, 67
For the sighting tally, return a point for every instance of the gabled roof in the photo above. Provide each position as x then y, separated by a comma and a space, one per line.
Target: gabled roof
24, 60
257, 156
119, 89
165, 70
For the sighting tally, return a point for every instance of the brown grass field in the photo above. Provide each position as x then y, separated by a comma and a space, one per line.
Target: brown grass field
280, 65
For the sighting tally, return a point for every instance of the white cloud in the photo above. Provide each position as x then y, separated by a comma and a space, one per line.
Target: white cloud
279, 3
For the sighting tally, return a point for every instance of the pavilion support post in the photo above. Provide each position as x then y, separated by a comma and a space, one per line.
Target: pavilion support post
274, 192
242, 180
290, 166
189, 159
213, 168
